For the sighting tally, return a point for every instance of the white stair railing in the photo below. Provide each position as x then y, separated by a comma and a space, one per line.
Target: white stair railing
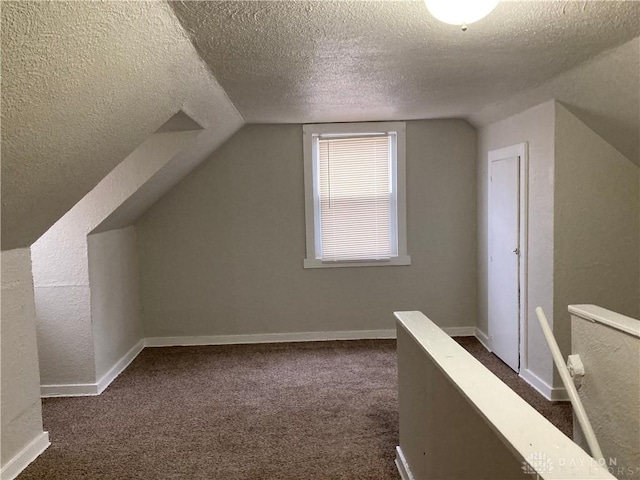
578, 408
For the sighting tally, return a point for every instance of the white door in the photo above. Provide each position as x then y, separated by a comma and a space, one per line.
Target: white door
504, 250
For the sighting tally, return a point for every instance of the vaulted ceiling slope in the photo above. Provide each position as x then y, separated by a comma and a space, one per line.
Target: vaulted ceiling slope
603, 92
84, 83
330, 61
293, 61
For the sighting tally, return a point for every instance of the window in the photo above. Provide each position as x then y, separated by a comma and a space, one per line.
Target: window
355, 195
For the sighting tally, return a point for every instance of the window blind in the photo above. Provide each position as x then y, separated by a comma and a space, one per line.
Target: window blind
355, 197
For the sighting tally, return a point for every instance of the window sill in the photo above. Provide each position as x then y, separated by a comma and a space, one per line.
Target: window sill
395, 261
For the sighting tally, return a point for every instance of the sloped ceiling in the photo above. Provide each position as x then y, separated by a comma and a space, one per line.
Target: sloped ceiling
603, 92
292, 61
84, 83
162, 181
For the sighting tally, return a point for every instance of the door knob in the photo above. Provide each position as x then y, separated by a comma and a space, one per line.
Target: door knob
516, 251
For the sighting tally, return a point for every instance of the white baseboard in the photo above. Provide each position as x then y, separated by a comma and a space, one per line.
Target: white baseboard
92, 389
268, 338
68, 390
459, 331
119, 367
483, 338
27, 455
402, 465
559, 394
546, 390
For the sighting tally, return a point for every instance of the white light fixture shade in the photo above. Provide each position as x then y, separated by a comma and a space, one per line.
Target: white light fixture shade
460, 12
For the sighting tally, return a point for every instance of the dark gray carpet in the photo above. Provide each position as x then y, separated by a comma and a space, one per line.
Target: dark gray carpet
558, 413
324, 410
321, 410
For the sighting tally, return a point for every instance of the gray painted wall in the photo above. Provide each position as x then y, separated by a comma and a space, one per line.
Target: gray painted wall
222, 253
597, 230
21, 408
116, 309
535, 126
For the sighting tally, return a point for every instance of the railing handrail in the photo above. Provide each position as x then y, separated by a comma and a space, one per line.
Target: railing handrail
525, 432
572, 392
594, 313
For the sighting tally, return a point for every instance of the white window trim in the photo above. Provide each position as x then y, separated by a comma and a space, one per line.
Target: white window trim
311, 195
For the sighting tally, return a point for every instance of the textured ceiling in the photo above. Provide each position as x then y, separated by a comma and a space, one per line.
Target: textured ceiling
603, 92
297, 61
83, 84
180, 122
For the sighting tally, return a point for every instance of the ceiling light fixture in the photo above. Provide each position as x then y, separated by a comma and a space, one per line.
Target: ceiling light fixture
460, 12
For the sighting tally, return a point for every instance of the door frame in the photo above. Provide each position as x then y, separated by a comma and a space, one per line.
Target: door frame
520, 150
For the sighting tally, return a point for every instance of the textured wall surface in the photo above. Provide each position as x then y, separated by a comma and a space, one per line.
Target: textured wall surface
61, 266
21, 409
116, 309
609, 392
596, 230
65, 342
83, 84
223, 252
603, 92
303, 62
535, 126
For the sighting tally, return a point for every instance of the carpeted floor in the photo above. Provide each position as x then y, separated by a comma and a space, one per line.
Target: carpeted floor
322, 410
558, 413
